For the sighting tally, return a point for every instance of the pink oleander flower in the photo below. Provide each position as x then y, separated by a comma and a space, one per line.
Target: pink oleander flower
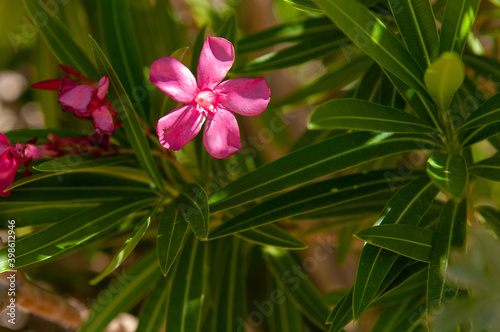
207, 99
12, 156
84, 100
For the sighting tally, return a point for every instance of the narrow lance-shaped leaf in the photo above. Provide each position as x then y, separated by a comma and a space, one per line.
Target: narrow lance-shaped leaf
449, 172
341, 314
59, 41
71, 162
127, 247
186, 293
271, 235
118, 37
450, 233
122, 294
416, 22
296, 285
406, 240
319, 196
307, 6
312, 162
70, 232
284, 316
374, 38
443, 78
172, 230
131, 123
459, 16
230, 289
152, 315
358, 114
407, 206
192, 202
487, 169
487, 113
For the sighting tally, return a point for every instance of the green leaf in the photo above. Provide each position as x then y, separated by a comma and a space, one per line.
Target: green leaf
119, 40
229, 287
443, 78
284, 316
487, 113
314, 197
459, 16
341, 314
192, 202
131, 123
59, 41
80, 162
307, 6
414, 284
291, 31
450, 233
229, 30
312, 162
295, 55
186, 293
345, 241
407, 206
71, 232
487, 169
339, 75
355, 114
394, 316
122, 294
449, 172
152, 316
300, 291
271, 235
375, 39
172, 230
406, 240
127, 247
416, 22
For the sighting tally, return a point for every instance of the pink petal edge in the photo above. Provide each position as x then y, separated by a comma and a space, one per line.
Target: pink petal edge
179, 127
222, 135
245, 96
216, 58
102, 88
78, 98
174, 79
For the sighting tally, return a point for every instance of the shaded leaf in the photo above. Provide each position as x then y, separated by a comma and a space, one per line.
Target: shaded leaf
127, 247
457, 22
192, 202
271, 235
59, 41
407, 206
406, 240
152, 315
449, 172
347, 113
80, 162
122, 294
131, 123
172, 230
374, 38
311, 198
417, 25
312, 162
487, 113
296, 285
186, 293
450, 233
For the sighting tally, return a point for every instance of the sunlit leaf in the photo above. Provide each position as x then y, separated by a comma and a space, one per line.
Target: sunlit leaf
449, 172
459, 16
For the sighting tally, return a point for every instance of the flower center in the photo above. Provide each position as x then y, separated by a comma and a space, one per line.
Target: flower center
207, 100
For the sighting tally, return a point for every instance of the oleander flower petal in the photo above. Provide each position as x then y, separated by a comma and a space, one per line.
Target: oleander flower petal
174, 79
222, 135
78, 98
179, 127
245, 96
103, 120
216, 58
102, 88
